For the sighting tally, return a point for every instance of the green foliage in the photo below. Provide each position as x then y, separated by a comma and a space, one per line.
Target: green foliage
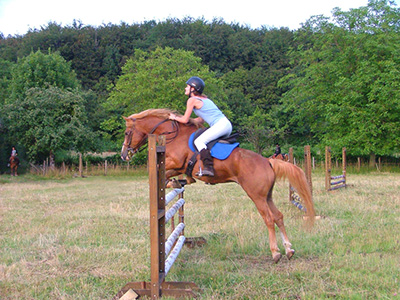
346, 85
155, 79
39, 70
48, 120
339, 74
5, 79
260, 130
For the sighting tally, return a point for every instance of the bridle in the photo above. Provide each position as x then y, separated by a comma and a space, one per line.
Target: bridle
142, 143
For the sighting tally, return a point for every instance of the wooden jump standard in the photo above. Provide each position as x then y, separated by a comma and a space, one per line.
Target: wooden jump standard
293, 196
329, 184
160, 247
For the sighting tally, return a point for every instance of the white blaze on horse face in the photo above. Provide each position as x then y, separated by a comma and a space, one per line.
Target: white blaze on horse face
124, 154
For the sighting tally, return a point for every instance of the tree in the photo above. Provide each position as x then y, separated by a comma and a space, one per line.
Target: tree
39, 70
5, 79
48, 120
347, 84
46, 110
260, 130
156, 80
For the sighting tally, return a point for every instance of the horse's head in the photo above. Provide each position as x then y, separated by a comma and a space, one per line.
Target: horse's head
151, 121
139, 126
14, 160
133, 140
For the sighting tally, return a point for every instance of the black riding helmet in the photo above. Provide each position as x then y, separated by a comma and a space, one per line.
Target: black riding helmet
197, 83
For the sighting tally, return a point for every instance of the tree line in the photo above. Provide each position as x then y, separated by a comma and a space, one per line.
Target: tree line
334, 81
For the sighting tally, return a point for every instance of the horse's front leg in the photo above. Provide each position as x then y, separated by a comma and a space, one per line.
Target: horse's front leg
171, 173
175, 168
172, 183
177, 183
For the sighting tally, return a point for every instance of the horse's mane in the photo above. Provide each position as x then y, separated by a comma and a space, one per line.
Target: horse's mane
159, 112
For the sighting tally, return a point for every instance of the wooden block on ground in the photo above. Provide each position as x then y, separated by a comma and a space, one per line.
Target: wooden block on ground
129, 295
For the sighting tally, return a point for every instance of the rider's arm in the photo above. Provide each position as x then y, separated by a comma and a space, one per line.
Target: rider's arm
189, 108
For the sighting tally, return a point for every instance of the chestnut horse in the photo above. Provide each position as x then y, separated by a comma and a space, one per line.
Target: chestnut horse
14, 162
253, 172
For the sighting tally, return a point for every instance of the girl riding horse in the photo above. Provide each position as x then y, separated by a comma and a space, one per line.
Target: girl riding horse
253, 172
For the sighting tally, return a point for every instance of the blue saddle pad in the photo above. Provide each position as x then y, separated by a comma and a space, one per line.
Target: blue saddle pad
219, 150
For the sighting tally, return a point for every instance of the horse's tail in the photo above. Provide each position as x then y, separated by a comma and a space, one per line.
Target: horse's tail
298, 180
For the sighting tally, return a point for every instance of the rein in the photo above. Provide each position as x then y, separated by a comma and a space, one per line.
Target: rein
141, 145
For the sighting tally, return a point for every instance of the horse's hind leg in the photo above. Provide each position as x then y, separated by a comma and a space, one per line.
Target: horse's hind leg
278, 219
258, 193
268, 218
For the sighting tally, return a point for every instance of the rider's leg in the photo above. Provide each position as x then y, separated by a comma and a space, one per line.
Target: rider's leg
220, 129
208, 163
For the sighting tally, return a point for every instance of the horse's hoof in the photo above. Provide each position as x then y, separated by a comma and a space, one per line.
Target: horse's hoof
176, 184
169, 185
290, 253
277, 257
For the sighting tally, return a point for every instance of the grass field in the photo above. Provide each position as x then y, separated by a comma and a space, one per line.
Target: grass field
85, 238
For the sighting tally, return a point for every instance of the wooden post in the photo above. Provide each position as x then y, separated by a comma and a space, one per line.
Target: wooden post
307, 165
157, 221
328, 168
80, 165
291, 160
105, 168
344, 164
158, 287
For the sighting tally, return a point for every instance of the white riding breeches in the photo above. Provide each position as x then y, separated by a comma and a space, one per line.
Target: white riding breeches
223, 128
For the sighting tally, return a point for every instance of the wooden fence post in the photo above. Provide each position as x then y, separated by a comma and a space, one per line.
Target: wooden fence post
328, 168
80, 165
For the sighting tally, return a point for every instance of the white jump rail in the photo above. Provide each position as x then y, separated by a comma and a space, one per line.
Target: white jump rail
177, 231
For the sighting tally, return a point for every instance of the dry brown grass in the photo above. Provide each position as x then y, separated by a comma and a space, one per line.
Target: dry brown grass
85, 238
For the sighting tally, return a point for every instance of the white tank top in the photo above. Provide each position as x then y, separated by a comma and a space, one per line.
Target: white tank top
209, 112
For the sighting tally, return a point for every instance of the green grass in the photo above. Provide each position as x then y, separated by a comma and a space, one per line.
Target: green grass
85, 238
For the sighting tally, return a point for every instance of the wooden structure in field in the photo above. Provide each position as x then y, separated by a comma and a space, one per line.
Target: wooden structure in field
163, 251
338, 181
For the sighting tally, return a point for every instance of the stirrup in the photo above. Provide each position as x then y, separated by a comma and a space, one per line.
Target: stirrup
205, 172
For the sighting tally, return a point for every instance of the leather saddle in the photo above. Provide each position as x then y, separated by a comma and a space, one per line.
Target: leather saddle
220, 148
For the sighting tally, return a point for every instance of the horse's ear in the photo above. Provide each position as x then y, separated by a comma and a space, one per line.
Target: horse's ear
129, 118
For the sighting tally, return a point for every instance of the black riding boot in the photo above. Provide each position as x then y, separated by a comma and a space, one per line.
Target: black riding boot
208, 164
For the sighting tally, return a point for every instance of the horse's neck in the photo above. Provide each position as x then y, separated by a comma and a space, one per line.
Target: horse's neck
178, 140
170, 129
